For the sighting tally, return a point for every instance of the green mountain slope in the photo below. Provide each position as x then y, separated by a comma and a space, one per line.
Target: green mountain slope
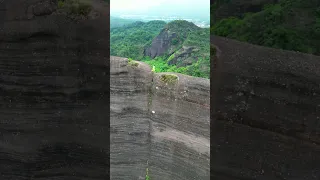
284, 24
130, 40
179, 46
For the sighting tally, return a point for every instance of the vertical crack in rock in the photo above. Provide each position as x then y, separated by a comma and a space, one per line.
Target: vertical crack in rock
150, 111
130, 119
172, 124
180, 128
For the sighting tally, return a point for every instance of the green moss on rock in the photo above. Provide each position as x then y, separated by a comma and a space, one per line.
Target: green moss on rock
75, 7
133, 63
169, 78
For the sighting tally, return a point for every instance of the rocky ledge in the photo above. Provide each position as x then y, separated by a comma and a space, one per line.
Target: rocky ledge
159, 121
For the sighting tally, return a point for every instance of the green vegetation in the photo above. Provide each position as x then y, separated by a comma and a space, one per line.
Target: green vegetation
288, 24
132, 63
182, 27
201, 40
201, 68
147, 174
75, 7
131, 40
169, 78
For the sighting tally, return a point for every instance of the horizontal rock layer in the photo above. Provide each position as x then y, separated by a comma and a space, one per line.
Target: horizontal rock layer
266, 113
54, 88
164, 127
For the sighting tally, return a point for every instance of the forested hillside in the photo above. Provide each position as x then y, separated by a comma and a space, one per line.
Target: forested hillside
184, 47
284, 24
130, 40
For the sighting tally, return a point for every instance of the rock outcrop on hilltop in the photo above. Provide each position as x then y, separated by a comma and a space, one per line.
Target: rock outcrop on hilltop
181, 42
164, 42
160, 44
266, 106
54, 86
156, 123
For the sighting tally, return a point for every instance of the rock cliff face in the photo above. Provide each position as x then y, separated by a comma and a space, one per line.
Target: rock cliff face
170, 42
267, 113
161, 44
163, 125
54, 102
54, 85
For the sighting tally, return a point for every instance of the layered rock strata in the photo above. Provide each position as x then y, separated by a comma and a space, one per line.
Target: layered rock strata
54, 93
157, 124
266, 119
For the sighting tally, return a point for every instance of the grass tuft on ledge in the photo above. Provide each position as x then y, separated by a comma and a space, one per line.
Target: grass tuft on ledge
132, 63
169, 78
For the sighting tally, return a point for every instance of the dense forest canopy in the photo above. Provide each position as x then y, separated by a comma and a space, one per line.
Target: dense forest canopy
130, 40
284, 24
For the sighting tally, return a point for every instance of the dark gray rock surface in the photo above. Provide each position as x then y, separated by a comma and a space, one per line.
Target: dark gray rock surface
54, 85
160, 44
163, 125
267, 113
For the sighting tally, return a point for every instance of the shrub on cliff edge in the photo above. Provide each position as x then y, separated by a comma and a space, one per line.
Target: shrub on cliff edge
75, 7
169, 78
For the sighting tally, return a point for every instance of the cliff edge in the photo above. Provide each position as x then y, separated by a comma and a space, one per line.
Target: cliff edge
160, 121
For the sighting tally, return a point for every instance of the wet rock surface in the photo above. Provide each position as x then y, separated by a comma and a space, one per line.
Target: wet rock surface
157, 124
267, 113
54, 86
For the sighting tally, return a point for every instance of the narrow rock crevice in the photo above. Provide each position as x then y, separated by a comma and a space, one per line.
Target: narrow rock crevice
177, 130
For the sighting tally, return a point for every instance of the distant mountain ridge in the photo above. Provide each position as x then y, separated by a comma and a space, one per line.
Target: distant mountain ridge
119, 22
203, 23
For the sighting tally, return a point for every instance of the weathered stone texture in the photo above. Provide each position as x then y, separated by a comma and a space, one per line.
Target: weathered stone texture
54, 85
163, 125
266, 113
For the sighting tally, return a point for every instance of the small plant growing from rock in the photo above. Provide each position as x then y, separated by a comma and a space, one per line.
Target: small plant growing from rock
75, 7
147, 174
132, 63
169, 78
61, 4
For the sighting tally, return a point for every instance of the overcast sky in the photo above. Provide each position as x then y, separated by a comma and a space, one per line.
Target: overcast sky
186, 8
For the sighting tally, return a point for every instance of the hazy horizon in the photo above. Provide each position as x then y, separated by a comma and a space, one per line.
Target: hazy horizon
162, 8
